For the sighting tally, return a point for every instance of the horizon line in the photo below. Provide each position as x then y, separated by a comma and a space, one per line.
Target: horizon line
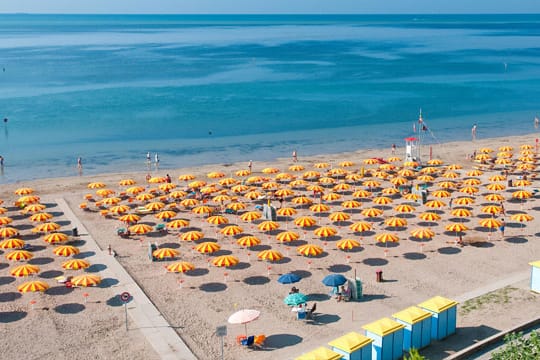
272, 14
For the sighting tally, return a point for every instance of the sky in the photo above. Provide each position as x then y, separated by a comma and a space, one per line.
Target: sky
269, 6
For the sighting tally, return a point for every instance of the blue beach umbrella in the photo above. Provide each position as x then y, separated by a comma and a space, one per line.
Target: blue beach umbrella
295, 299
334, 280
289, 278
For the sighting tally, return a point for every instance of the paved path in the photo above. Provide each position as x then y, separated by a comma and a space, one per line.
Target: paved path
510, 280
146, 317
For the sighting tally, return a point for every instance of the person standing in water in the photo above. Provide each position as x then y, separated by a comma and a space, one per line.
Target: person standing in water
294, 156
156, 160
473, 132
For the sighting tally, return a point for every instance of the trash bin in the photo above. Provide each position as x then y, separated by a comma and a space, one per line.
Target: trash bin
379, 275
75, 232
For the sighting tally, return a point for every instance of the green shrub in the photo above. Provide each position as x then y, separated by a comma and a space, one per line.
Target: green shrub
517, 347
414, 355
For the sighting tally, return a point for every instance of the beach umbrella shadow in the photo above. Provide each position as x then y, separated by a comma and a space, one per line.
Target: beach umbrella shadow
12, 316
283, 260
24, 226
339, 268
371, 297
63, 222
375, 261
241, 266
9, 296
260, 247
4, 280
326, 319
302, 273
279, 341
406, 216
57, 213
256, 280
414, 256
94, 268
41, 261
516, 240
84, 255
36, 248
108, 282
387, 244
171, 245
114, 301
77, 242
3, 266
318, 297
71, 308
51, 274
222, 252
448, 250
198, 272
58, 290
213, 287
482, 244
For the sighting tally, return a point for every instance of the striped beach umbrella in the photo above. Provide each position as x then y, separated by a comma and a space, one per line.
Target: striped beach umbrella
287, 236
361, 226
309, 250
456, 227
187, 203
180, 267
86, 280
237, 206
361, 194
422, 233
55, 238
129, 218
24, 191
225, 261
33, 286
191, 236
208, 247
248, 241
135, 190
347, 244
491, 209
118, 209
351, 204
7, 232
12, 244
339, 216
395, 222
154, 206
382, 200
46, 227
372, 212
331, 196
520, 194
304, 221
75, 264
268, 225
270, 255
140, 229
177, 224
231, 230
165, 253
325, 231
24, 270
490, 223
240, 188
429, 216
19, 255
435, 204
66, 250
463, 201
126, 182
202, 209
494, 197
41, 217
286, 211
4, 220
251, 216
145, 197
96, 185
386, 237
165, 215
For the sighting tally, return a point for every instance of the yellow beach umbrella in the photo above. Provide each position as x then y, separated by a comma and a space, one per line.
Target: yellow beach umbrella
284, 192
8, 232
347, 244
126, 182
242, 173
202, 209
268, 225
75, 264
253, 195
231, 230
55, 238
86, 280
298, 183
46, 227
429, 216
135, 190
321, 165
406, 173
454, 167
165, 253
497, 178
446, 184
140, 229
197, 184
189, 202
351, 204
506, 148
4, 220
398, 181
217, 220
251, 216
450, 175
118, 210
520, 194
311, 174
34, 208
180, 267
395, 222
177, 224
248, 241
394, 159
207, 247
475, 172
361, 194
422, 233
386, 237
441, 193
24, 191
339, 216
225, 261
309, 250
104, 192
521, 182
435, 162
371, 183
390, 191
191, 235
287, 236
304, 221
435, 204
286, 211
296, 168
495, 187
96, 185
318, 208
490, 223
404, 208
129, 218
110, 201
33, 286
270, 255
491, 209
494, 197
522, 217
472, 182
240, 188
426, 178
186, 177
24, 270
411, 196
325, 231
12, 244
166, 187
19, 255
145, 197
66, 250
372, 212
270, 170
154, 206
221, 198
227, 181
360, 226
382, 200
461, 213
165, 215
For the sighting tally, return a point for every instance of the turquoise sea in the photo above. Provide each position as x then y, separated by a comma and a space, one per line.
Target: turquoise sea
220, 89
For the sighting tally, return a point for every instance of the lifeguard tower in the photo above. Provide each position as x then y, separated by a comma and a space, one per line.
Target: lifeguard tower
412, 149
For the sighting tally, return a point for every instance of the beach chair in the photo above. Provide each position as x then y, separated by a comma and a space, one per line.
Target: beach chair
310, 314
258, 343
249, 341
161, 228
301, 315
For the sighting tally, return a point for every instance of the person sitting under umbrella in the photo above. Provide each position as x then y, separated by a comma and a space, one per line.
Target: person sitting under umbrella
294, 290
344, 294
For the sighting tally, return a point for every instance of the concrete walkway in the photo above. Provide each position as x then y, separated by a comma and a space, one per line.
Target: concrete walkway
145, 316
510, 280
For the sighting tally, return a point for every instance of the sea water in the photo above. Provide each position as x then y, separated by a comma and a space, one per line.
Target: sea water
221, 89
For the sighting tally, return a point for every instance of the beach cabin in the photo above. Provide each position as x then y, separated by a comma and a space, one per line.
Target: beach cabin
535, 276
387, 336
320, 353
417, 331
353, 346
443, 320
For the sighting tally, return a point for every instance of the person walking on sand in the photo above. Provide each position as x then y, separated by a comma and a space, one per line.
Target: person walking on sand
156, 160
148, 161
79, 163
250, 165
393, 149
501, 228
473, 132
294, 156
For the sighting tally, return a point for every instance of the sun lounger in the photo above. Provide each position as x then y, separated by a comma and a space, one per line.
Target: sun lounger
259, 341
142, 210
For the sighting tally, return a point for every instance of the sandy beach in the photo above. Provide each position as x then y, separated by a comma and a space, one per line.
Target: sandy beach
63, 324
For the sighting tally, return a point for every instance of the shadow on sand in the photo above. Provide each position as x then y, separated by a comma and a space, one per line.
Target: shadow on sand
12, 316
